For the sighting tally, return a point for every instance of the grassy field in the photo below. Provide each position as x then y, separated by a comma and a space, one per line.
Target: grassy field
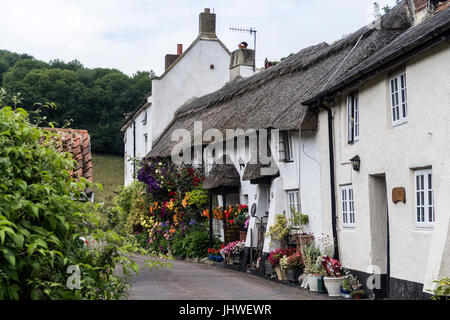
107, 170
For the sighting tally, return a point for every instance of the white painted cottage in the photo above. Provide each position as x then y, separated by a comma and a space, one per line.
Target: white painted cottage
392, 112
202, 68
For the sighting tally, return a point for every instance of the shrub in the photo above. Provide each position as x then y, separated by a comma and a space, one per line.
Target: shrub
42, 219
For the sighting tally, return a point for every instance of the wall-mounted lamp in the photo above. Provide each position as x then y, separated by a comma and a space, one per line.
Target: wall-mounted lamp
356, 163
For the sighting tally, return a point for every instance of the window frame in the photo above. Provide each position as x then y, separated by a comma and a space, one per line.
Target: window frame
297, 204
145, 143
348, 207
144, 120
424, 203
285, 147
398, 99
353, 118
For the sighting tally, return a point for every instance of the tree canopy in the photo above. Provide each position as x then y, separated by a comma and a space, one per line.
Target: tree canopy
93, 99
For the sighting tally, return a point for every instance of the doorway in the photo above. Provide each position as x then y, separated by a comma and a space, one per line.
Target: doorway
379, 232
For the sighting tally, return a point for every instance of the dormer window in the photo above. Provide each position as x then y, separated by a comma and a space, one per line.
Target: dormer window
353, 118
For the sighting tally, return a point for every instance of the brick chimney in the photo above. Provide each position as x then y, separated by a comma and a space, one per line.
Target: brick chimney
207, 24
170, 58
242, 62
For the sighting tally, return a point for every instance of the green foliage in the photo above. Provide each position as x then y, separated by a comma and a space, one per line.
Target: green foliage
42, 220
95, 99
279, 230
196, 243
198, 198
108, 170
442, 290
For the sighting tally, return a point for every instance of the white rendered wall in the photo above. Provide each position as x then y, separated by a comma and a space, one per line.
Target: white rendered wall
395, 152
190, 77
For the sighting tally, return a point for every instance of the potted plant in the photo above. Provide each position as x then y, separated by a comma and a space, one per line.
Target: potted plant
312, 265
293, 266
334, 276
346, 288
233, 252
275, 257
279, 230
299, 221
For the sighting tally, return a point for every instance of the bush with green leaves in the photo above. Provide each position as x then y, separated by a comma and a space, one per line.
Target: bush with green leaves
42, 221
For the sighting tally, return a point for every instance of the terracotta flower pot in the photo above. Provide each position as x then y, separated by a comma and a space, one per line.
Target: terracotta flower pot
242, 235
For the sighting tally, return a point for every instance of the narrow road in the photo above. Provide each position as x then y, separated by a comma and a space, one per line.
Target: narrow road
190, 281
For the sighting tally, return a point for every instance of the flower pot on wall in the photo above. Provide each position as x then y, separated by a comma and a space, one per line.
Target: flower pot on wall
333, 285
312, 281
281, 274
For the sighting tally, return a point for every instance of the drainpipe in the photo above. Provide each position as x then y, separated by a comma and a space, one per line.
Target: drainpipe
134, 149
320, 104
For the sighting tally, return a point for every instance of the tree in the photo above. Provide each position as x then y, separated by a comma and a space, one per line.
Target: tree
92, 99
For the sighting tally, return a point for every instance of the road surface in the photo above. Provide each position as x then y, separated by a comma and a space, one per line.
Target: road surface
191, 281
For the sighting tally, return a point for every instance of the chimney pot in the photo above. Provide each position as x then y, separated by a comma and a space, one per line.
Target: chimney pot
179, 49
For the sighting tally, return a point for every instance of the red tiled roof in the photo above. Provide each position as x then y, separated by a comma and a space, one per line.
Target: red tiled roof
77, 143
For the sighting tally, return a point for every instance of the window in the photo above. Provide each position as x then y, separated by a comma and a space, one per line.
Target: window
348, 207
145, 144
353, 118
144, 120
293, 201
399, 108
424, 198
286, 153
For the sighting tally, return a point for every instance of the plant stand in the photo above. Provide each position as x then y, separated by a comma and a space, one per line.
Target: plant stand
237, 259
293, 274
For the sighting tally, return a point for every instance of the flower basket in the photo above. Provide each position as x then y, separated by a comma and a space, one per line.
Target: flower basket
292, 274
242, 235
281, 274
333, 285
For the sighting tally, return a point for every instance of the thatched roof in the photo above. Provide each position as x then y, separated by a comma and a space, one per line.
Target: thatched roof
222, 175
254, 169
272, 98
433, 30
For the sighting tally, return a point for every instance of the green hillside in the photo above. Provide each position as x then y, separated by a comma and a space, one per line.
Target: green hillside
107, 170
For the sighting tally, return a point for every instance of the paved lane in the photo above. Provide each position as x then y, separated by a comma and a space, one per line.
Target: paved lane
190, 281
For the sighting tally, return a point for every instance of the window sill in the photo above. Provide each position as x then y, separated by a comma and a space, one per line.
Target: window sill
399, 123
424, 228
348, 228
